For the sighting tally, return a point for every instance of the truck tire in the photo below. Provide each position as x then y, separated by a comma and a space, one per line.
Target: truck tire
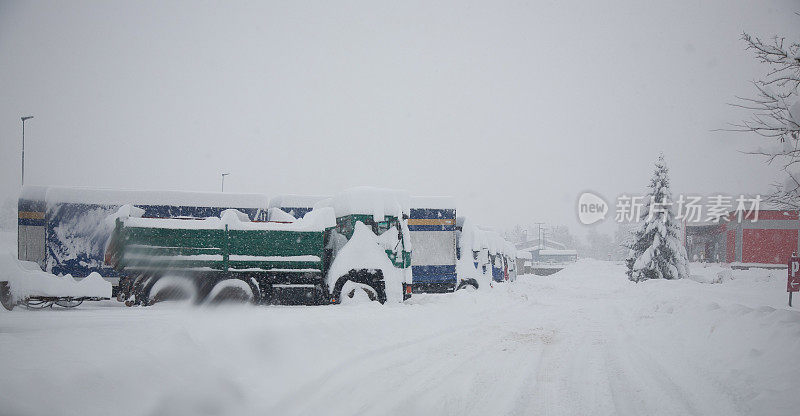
352, 292
373, 280
172, 288
5, 296
467, 283
233, 291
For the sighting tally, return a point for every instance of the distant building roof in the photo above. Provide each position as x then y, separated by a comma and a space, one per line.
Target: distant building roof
558, 253
537, 245
522, 254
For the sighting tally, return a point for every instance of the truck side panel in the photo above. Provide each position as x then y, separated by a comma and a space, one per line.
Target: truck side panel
433, 241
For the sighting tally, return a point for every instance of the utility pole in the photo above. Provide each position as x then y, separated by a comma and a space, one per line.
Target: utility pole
23, 146
223, 181
539, 232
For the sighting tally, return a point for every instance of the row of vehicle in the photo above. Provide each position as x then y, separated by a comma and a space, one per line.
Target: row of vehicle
377, 243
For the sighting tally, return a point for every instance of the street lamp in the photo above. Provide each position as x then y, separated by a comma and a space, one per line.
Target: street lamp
223, 181
23, 146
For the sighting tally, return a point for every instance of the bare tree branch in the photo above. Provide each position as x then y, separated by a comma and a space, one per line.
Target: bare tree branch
776, 113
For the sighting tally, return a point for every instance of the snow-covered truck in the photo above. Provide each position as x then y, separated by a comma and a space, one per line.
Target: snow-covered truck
484, 254
510, 260
432, 224
355, 243
65, 230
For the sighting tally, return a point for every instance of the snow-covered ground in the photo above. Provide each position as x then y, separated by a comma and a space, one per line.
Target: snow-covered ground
582, 341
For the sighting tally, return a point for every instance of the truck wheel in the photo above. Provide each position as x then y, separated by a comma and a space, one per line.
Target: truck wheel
353, 292
468, 284
233, 291
181, 289
5, 296
368, 281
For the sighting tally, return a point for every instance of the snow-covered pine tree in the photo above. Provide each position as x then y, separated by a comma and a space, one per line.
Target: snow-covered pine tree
656, 251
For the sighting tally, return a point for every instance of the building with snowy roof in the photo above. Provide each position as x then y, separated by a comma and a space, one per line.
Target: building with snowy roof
548, 251
763, 239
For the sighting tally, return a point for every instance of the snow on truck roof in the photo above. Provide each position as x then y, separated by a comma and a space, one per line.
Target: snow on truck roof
480, 238
433, 202
33, 192
366, 200
55, 194
295, 201
316, 220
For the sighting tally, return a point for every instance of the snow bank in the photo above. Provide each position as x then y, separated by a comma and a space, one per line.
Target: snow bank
365, 200
365, 250
710, 273
27, 279
589, 342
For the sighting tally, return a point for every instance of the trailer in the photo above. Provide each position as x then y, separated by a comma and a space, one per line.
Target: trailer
65, 230
483, 254
24, 283
356, 242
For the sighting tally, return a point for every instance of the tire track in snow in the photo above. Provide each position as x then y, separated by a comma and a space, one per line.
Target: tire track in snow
380, 361
645, 377
477, 369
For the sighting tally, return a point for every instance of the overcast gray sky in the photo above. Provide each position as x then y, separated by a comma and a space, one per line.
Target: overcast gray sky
514, 108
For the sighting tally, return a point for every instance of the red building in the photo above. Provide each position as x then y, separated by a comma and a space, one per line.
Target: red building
766, 240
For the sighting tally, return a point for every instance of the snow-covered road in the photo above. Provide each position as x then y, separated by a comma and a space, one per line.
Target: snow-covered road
583, 341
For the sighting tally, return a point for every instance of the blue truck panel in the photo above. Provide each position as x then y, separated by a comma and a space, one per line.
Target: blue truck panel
434, 230
434, 274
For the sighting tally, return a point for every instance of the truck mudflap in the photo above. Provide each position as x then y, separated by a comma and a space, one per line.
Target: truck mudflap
407, 290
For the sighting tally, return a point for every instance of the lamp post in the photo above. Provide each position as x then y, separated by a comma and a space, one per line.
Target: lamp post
23, 146
223, 181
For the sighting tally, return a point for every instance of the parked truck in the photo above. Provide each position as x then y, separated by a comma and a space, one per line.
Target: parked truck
354, 243
435, 237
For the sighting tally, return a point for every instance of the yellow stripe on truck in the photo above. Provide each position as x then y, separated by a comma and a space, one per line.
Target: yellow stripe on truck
30, 215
